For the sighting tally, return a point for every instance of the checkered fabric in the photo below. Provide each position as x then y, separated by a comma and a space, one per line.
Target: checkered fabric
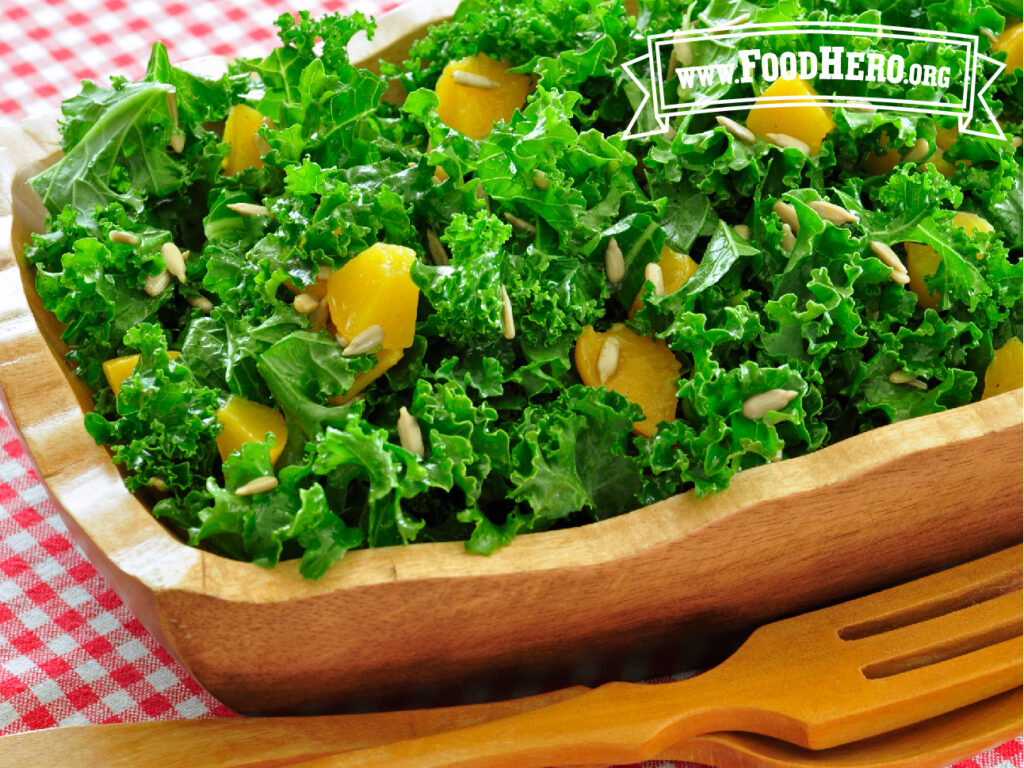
48, 46
70, 652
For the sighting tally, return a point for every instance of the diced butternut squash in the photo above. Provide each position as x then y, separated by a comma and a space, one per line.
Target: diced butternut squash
923, 260
877, 164
244, 421
676, 268
1006, 371
942, 165
644, 371
239, 132
944, 139
810, 124
1012, 41
120, 368
385, 359
474, 108
376, 288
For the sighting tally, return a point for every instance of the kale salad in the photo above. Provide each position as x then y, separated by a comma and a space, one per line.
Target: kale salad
316, 319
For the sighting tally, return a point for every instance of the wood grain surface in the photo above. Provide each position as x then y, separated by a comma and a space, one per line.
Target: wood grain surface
873, 510
773, 685
273, 742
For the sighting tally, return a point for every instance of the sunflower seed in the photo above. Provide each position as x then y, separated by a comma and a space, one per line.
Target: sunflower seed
905, 379
473, 80
157, 483
788, 238
156, 284
364, 341
832, 212
608, 359
786, 141
520, 224
437, 252
482, 195
305, 303
742, 230
671, 68
259, 485
508, 321
861, 106
757, 406
1017, 142
917, 152
989, 34
126, 238
614, 263
249, 209
777, 457
787, 213
342, 341
743, 18
902, 378
683, 52
261, 145
172, 107
174, 259
654, 276
741, 132
318, 318
178, 142
409, 433
201, 303
888, 256
540, 180
899, 277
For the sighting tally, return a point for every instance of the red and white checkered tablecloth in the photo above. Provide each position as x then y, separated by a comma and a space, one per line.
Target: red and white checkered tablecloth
70, 652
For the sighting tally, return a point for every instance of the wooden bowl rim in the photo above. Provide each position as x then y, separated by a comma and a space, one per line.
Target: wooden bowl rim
126, 532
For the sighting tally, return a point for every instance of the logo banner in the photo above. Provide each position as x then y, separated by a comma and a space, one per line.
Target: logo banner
674, 85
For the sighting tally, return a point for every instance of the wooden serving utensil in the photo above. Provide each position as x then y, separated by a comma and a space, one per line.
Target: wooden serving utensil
282, 741
273, 742
819, 680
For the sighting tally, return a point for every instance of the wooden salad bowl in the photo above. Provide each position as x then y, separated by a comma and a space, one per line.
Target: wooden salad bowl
878, 508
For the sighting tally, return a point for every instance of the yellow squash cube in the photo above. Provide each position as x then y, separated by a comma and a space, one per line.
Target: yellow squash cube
676, 268
645, 372
944, 139
120, 368
1006, 371
1012, 41
923, 260
942, 165
244, 421
473, 110
810, 124
385, 359
877, 164
239, 132
376, 288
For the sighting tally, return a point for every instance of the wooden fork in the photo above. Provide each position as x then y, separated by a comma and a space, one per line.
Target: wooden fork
817, 680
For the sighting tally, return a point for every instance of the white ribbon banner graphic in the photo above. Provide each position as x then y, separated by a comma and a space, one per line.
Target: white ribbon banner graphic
676, 82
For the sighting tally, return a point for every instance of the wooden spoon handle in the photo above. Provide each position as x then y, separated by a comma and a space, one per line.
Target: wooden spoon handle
616, 723
244, 742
